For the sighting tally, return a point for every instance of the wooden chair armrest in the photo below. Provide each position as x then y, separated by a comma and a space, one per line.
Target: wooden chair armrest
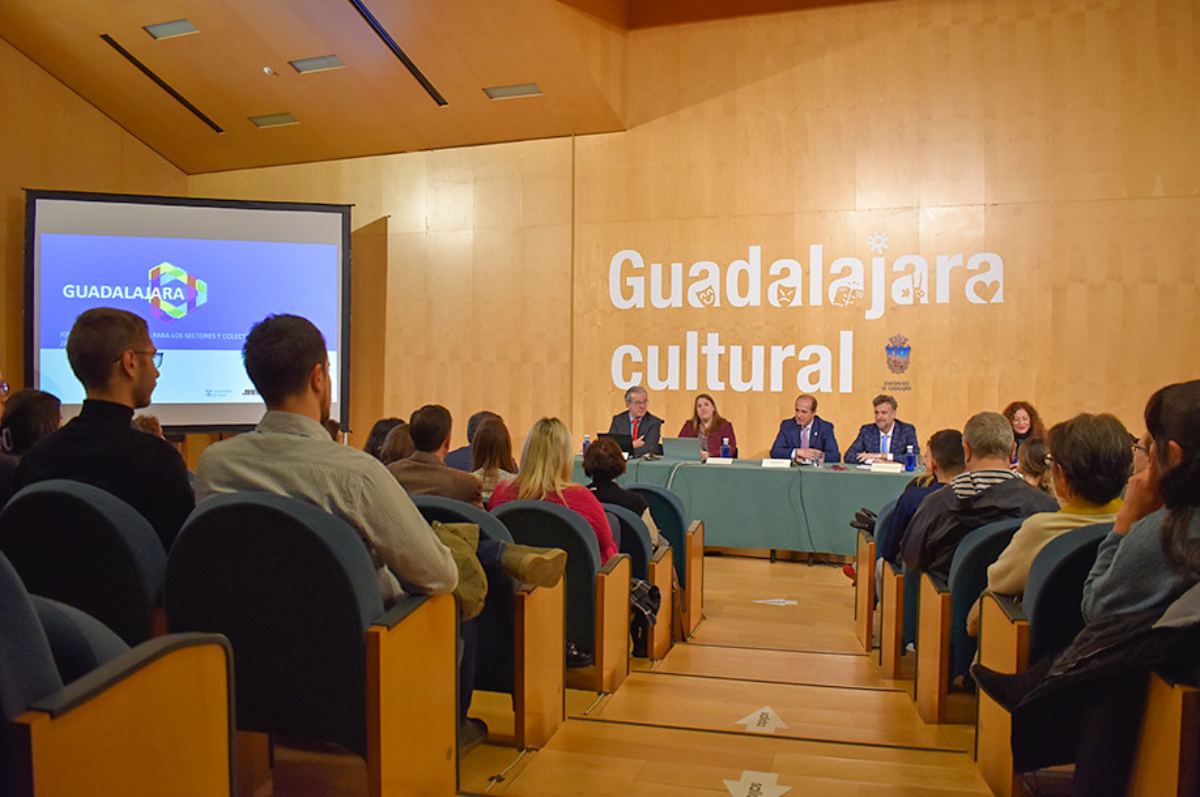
412, 691
693, 566
156, 720
1003, 637
1165, 761
891, 625
933, 649
612, 622
864, 590
661, 568
538, 669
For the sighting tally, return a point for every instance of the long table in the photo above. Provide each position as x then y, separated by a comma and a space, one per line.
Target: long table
745, 505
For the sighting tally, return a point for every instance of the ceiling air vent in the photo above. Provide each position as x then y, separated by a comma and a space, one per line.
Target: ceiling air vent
274, 120
513, 91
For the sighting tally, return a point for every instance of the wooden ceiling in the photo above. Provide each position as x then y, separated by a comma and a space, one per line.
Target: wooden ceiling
574, 50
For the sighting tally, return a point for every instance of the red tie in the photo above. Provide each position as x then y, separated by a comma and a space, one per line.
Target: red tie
635, 427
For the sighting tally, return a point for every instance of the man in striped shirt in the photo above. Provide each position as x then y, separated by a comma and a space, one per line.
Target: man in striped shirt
986, 492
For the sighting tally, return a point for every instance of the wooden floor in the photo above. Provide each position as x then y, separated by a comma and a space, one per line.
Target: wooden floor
834, 727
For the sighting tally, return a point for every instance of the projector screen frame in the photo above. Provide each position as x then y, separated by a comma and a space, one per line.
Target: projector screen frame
33, 195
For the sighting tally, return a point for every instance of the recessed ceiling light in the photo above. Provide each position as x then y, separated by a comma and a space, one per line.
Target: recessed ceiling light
274, 120
322, 63
169, 30
515, 90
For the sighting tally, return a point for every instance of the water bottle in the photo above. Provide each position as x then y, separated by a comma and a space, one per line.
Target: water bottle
725, 451
910, 460
587, 441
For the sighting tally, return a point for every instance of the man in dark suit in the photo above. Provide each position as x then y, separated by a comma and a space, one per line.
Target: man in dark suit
460, 458
806, 435
644, 428
887, 438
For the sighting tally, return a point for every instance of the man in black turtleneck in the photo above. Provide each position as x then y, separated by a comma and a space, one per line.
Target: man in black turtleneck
111, 353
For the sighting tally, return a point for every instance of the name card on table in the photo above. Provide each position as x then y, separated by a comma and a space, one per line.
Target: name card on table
776, 463
719, 460
887, 467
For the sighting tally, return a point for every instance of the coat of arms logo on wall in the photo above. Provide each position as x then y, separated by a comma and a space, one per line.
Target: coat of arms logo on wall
898, 353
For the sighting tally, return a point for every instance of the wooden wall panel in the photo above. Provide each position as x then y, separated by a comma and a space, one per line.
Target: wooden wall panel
478, 277
1053, 134
1056, 134
50, 138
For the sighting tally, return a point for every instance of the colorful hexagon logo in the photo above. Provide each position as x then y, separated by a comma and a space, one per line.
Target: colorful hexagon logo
195, 292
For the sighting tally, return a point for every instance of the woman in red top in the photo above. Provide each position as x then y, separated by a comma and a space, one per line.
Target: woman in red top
708, 422
546, 476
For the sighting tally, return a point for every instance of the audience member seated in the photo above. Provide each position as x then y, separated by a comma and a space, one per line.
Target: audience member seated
945, 463
148, 424
29, 415
1026, 423
644, 429
603, 463
461, 458
546, 476
1032, 467
988, 491
1142, 613
333, 428
806, 435
290, 453
887, 438
1091, 458
491, 455
111, 353
1151, 557
397, 445
710, 428
378, 434
424, 472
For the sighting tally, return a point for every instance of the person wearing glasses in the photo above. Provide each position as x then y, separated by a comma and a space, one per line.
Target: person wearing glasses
1089, 460
111, 353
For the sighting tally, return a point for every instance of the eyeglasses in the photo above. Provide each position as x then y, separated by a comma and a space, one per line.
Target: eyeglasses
1144, 449
156, 356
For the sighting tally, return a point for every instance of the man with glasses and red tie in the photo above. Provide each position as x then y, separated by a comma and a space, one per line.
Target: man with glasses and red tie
111, 353
644, 429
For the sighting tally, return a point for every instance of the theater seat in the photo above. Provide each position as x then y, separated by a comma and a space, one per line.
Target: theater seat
157, 719
648, 564
944, 650
296, 593
520, 633
80, 545
687, 541
1014, 633
597, 596
864, 585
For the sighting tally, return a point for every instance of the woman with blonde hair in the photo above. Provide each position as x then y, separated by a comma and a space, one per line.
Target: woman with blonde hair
546, 476
491, 455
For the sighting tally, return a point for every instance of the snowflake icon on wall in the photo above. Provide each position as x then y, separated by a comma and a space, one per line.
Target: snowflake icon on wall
878, 242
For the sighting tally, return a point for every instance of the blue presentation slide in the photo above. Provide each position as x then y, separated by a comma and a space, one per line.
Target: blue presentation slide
199, 297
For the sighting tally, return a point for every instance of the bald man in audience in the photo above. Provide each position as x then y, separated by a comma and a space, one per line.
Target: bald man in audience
987, 492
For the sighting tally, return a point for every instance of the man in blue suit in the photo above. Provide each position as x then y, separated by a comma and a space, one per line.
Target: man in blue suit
887, 438
805, 435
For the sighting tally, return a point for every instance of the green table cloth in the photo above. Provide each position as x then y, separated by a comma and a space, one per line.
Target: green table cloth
745, 505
